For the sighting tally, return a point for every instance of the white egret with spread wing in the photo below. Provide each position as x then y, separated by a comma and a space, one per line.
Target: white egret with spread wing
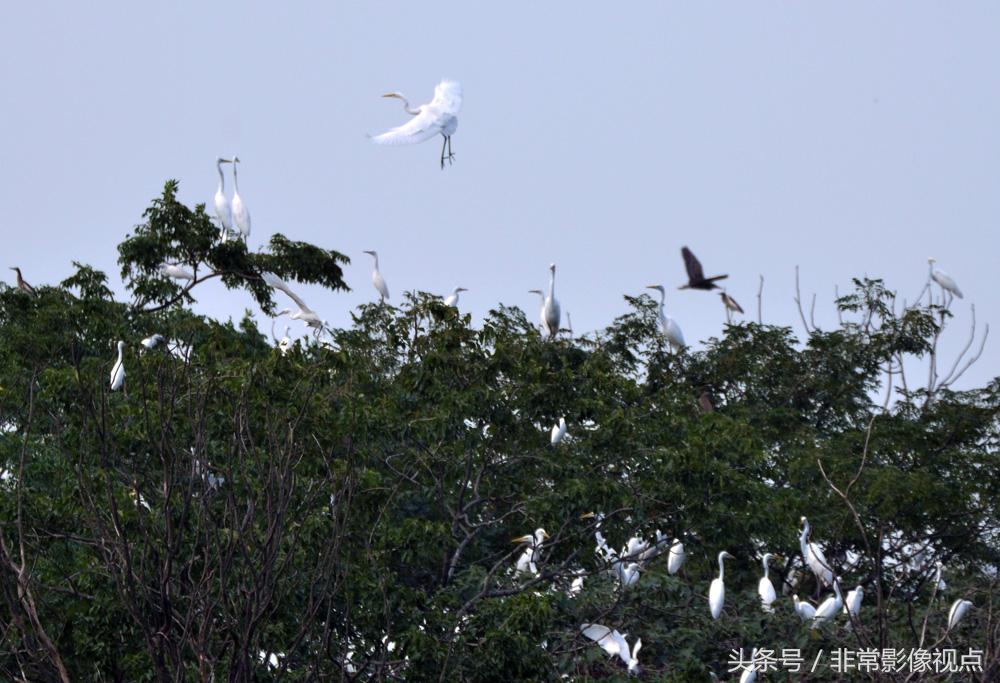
437, 117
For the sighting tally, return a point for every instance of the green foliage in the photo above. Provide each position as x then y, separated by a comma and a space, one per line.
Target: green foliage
349, 507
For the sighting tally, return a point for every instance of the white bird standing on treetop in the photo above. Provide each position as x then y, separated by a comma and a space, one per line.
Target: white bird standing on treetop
957, 611
439, 116
829, 607
668, 326
717, 591
765, 589
176, 272
241, 217
559, 431
550, 306
946, 281
814, 557
675, 558
804, 609
118, 369
452, 299
223, 211
377, 278
541, 315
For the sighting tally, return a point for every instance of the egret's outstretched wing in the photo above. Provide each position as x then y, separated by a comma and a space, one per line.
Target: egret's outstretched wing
296, 298
447, 97
423, 126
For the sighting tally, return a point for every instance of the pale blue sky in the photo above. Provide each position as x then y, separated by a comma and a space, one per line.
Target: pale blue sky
846, 137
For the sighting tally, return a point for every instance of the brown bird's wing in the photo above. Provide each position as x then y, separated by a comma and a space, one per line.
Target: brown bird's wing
692, 265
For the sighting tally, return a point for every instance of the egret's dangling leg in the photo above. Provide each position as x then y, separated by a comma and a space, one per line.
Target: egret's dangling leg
444, 145
451, 155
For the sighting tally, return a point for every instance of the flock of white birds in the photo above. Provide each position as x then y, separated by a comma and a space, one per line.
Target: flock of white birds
627, 565
440, 117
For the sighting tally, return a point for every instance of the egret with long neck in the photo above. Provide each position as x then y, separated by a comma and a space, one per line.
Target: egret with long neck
223, 211
717, 591
377, 278
668, 326
241, 217
550, 307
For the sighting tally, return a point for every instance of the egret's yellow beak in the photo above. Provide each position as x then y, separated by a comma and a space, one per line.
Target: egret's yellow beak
587, 515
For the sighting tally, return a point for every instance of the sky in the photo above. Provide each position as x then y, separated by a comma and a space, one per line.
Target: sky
846, 138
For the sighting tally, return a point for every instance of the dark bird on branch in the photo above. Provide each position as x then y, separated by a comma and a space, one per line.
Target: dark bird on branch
696, 276
705, 403
730, 302
22, 284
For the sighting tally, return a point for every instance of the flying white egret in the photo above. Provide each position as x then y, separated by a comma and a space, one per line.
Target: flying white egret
765, 589
668, 326
957, 611
804, 609
223, 210
717, 591
550, 307
176, 272
946, 281
304, 313
852, 604
558, 431
439, 116
452, 299
377, 278
749, 674
118, 369
829, 607
813, 555
275, 282
241, 216
603, 636
152, 341
675, 558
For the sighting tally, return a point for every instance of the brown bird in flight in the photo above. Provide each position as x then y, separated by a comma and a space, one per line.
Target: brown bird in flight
22, 284
696, 276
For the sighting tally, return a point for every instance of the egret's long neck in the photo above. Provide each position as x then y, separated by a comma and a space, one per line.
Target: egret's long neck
765, 569
236, 182
836, 589
722, 569
406, 106
552, 284
222, 178
375, 256
120, 354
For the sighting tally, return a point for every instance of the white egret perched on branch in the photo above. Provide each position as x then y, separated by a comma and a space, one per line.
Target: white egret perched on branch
852, 604
550, 306
377, 278
814, 557
829, 607
717, 591
526, 562
118, 369
241, 216
765, 589
223, 210
558, 431
176, 272
946, 281
541, 315
675, 557
804, 609
439, 116
957, 611
671, 330
452, 299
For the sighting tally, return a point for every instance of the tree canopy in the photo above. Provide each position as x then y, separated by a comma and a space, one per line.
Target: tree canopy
345, 510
